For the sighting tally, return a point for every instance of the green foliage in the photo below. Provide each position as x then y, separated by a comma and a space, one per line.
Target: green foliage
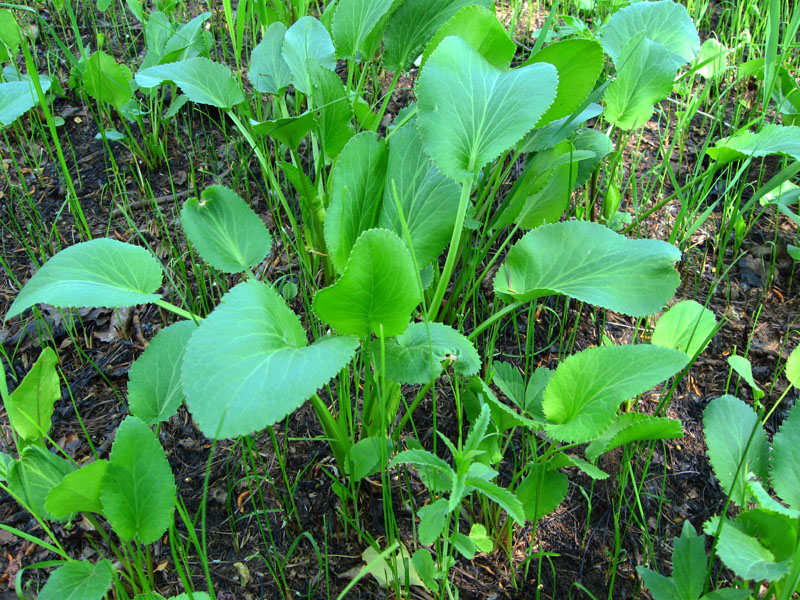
202, 80
9, 35
269, 73
353, 24
307, 46
33, 476
30, 406
105, 80
630, 427
78, 491
785, 463
770, 139
17, 98
79, 580
685, 326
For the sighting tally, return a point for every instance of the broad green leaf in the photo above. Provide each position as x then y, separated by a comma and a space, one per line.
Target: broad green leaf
79, 580
426, 568
583, 395
689, 562
17, 98
727, 594
593, 141
155, 389
413, 24
357, 183
202, 80
579, 63
428, 200
743, 367
421, 458
662, 588
395, 569
541, 492
353, 22
505, 498
138, 489
542, 138
289, 131
377, 290
101, 272
33, 476
225, 231
633, 427
30, 405
269, 72
470, 112
432, 520
413, 356
588, 468
509, 379
480, 28
685, 326
785, 469
335, 113
79, 491
593, 264
365, 456
776, 531
248, 364
105, 80
645, 76
745, 556
465, 546
715, 55
188, 41
666, 23
307, 46
728, 424
770, 139
480, 538
9, 36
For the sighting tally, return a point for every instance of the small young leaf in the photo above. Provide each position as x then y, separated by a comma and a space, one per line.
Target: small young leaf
584, 393
432, 521
33, 476
421, 458
79, 580
202, 80
728, 424
421, 349
377, 291
17, 98
289, 131
744, 369
662, 588
384, 570
470, 112
541, 492
248, 364
590, 263
105, 80
465, 546
717, 56
689, 562
226, 232
138, 489
685, 326
79, 491
269, 72
365, 456
426, 568
480, 538
307, 46
785, 469
30, 405
154, 380
792, 369
102, 272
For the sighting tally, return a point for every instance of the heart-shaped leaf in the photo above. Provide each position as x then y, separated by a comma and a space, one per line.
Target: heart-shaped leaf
413, 24
428, 200
353, 22
249, 364
138, 489
593, 264
17, 98
79, 580
785, 459
268, 72
225, 230
30, 406
154, 382
685, 326
377, 291
357, 183
307, 46
79, 491
102, 272
583, 395
470, 112
202, 80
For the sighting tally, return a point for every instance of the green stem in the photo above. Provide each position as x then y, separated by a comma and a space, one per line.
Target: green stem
494, 318
178, 311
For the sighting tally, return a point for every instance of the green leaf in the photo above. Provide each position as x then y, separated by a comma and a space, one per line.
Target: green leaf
666, 23
662, 588
593, 141
289, 131
470, 112
269, 72
479, 27
5, 464
17, 98
307, 46
745, 556
155, 390
353, 22
771, 139
225, 231
357, 183
428, 200
395, 569
745, 370
377, 291
777, 532
579, 63
413, 24
480, 538
202, 80
728, 424
727, 594
421, 458
785, 459
79, 491
426, 569
689, 562
249, 364
105, 80
542, 138
33, 476
9, 36
717, 56
138, 489
593, 264
465, 546
102, 272
30, 405
633, 427
365, 456
79, 580
505, 498
583, 395
195, 596
432, 521
541, 492
420, 350
335, 112
686, 326
645, 76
